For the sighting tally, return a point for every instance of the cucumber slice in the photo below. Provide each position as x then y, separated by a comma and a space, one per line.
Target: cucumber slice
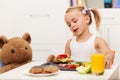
84, 69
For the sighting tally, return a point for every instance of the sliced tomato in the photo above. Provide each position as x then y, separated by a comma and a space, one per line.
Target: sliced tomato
61, 56
71, 66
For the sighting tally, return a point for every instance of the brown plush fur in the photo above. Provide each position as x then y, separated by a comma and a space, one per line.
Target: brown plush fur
15, 51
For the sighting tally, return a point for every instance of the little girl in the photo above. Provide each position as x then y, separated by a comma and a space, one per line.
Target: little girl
83, 44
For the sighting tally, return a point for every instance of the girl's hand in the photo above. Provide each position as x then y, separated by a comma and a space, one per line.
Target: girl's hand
50, 58
109, 58
108, 63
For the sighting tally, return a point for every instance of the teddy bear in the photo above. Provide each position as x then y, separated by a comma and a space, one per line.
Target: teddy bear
15, 51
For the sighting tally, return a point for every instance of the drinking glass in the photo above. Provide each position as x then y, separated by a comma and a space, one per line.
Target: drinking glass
98, 65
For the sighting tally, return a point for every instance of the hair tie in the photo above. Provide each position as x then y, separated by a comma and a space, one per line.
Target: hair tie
84, 11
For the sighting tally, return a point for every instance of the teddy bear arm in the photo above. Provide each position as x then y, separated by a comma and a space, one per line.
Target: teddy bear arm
9, 67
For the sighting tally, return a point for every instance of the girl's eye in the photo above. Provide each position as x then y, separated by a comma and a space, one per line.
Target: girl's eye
68, 24
74, 21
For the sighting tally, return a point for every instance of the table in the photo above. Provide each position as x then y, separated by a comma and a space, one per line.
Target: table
18, 74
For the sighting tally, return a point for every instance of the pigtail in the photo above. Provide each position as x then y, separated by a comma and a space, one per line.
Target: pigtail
97, 17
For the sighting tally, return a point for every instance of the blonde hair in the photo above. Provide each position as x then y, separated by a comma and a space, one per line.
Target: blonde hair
93, 10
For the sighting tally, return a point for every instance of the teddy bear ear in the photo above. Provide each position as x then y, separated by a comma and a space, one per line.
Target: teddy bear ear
26, 36
3, 40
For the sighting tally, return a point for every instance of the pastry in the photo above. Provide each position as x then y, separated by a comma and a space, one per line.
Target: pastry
50, 69
36, 70
43, 69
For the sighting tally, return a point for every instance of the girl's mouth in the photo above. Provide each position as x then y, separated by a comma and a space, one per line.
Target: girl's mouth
75, 30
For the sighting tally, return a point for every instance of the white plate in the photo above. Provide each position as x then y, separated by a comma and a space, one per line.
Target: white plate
30, 74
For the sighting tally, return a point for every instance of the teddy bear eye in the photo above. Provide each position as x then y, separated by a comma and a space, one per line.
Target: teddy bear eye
26, 48
12, 51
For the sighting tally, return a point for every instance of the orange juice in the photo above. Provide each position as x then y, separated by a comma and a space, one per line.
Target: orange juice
98, 66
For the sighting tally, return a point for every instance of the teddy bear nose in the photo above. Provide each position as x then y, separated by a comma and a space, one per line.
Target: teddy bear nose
22, 54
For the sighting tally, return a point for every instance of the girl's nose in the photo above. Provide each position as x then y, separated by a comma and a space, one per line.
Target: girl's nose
72, 25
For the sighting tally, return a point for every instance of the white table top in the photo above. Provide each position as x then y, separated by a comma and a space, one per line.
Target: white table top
19, 74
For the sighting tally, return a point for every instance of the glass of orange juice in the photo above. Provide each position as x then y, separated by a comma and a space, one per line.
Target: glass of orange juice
98, 63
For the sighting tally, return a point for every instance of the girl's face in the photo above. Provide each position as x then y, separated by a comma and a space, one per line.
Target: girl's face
77, 22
